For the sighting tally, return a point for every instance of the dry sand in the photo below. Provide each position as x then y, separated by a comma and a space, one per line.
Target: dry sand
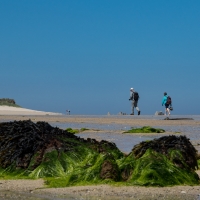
35, 189
8, 110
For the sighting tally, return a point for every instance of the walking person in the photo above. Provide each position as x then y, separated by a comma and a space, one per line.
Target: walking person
167, 102
134, 97
68, 112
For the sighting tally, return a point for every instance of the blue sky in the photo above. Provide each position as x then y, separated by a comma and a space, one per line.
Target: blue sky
85, 55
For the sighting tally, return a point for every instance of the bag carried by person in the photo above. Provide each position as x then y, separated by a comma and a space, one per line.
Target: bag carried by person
171, 108
136, 96
169, 100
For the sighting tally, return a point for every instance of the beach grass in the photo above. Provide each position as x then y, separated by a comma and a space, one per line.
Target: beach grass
9, 104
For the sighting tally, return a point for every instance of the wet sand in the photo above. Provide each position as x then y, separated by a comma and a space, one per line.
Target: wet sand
36, 189
102, 120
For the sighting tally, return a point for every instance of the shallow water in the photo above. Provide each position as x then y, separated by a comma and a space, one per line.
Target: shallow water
195, 117
125, 142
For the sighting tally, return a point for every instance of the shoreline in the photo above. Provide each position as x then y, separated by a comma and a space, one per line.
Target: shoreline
59, 118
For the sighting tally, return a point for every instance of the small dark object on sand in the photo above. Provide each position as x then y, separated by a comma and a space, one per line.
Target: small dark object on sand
167, 118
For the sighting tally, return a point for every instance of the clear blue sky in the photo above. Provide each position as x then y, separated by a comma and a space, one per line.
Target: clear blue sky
85, 55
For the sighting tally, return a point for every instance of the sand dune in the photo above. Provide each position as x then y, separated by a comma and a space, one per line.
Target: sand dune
8, 110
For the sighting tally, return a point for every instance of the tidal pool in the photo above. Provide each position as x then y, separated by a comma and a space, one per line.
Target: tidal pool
125, 142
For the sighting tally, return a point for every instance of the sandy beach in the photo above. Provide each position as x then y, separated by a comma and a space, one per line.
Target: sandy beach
11, 115
36, 189
8, 110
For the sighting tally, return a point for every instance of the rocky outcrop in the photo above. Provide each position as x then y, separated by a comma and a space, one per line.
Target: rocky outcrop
38, 150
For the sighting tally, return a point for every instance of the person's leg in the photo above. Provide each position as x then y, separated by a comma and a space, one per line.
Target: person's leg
165, 109
136, 106
132, 107
168, 111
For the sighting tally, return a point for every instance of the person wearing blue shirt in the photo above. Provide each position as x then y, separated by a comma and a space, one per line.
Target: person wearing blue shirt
164, 102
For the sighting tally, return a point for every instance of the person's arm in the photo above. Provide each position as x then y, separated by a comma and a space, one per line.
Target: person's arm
163, 101
131, 96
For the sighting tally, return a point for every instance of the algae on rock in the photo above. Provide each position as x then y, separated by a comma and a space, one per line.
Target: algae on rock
145, 129
38, 150
155, 169
74, 131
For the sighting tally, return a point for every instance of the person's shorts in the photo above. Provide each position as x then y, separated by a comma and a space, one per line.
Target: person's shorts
166, 105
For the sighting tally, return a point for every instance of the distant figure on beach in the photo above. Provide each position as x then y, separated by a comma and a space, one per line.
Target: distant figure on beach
167, 102
68, 112
134, 97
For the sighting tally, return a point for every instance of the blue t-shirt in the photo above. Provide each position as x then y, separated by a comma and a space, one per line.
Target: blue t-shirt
164, 100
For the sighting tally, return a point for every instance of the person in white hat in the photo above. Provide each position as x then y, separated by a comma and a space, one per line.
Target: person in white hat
134, 97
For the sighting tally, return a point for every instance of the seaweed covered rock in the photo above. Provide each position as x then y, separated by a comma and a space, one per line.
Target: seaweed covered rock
154, 169
177, 148
20, 140
110, 170
38, 150
168, 160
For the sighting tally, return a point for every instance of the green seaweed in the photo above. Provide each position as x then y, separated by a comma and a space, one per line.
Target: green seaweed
75, 131
84, 129
83, 166
80, 167
198, 162
155, 169
145, 129
68, 160
152, 169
